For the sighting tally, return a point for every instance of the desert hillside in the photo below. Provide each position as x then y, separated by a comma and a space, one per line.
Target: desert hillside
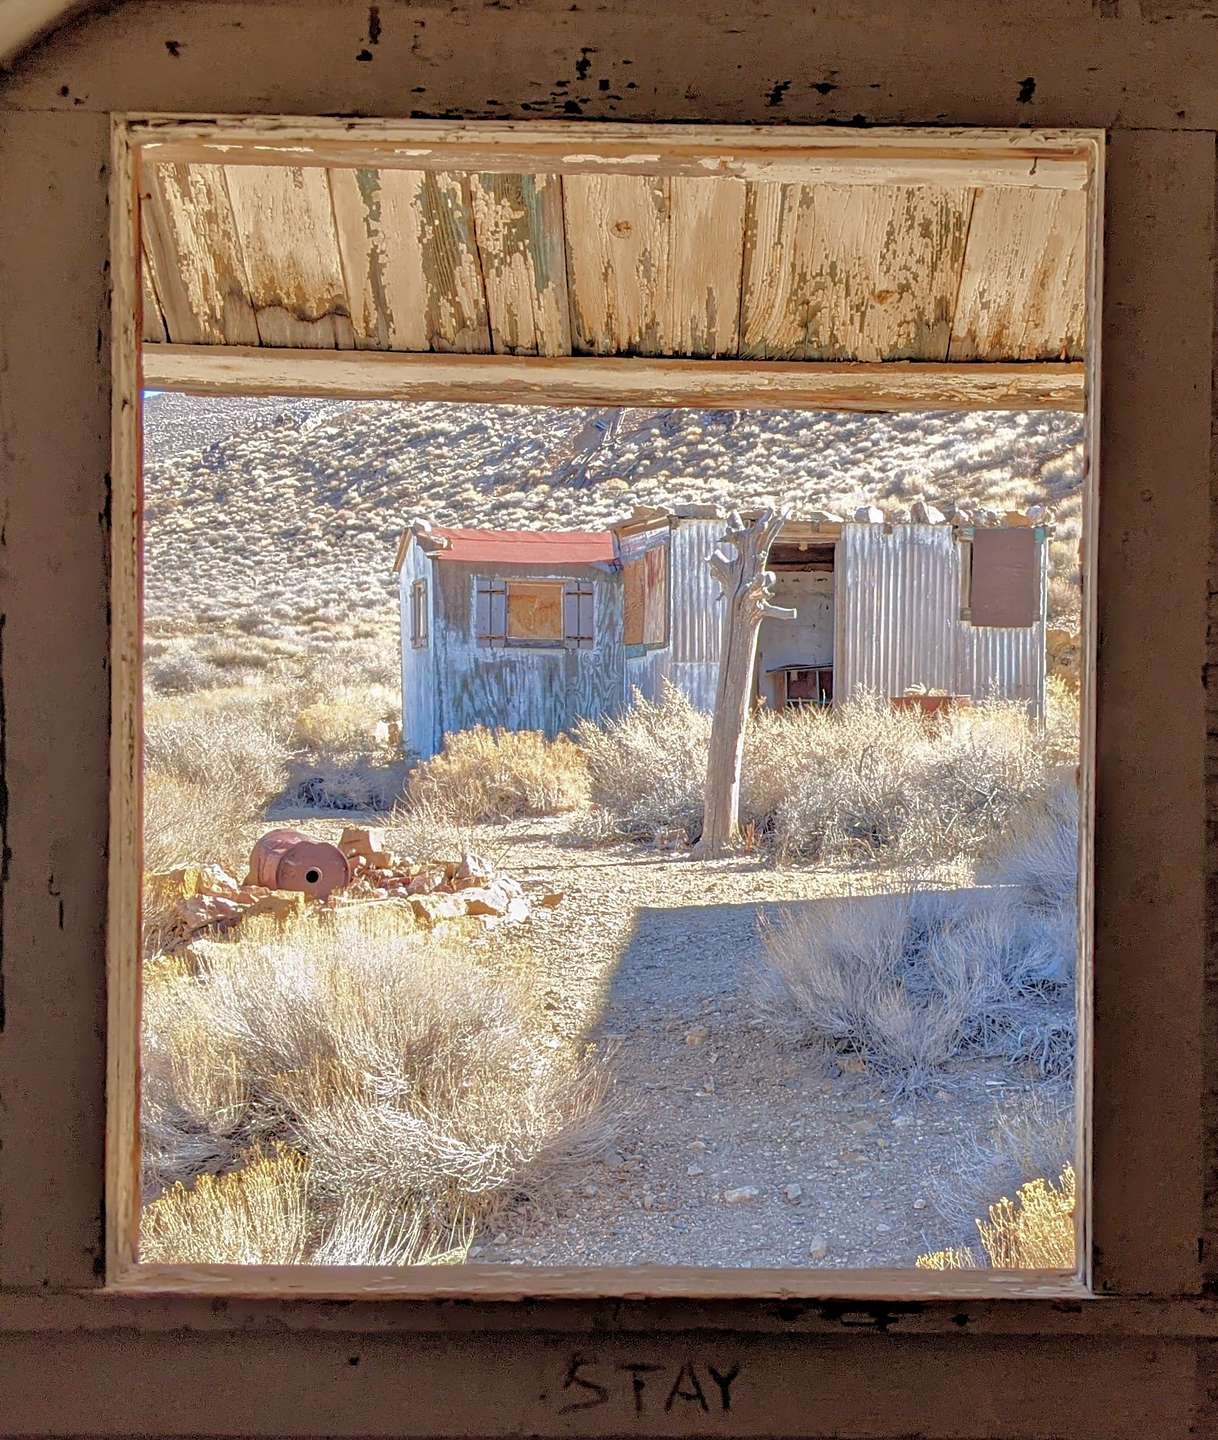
279, 518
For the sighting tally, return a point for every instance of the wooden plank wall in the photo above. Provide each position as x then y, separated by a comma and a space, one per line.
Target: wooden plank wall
609, 264
524, 689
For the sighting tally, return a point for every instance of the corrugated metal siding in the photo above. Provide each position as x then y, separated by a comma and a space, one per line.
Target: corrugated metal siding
898, 596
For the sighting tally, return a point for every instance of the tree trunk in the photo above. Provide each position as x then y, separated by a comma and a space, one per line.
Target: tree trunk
747, 591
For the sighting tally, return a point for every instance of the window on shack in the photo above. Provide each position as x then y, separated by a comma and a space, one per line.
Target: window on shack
418, 614
1000, 570
645, 581
534, 612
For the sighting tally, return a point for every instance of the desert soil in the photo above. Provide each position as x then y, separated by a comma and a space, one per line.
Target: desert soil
649, 959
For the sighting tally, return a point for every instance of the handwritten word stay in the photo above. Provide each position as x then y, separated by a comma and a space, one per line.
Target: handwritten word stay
647, 1388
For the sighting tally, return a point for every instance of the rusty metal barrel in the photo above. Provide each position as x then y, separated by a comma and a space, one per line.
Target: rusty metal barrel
288, 860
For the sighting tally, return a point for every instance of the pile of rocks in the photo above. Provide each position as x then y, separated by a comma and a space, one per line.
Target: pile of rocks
195, 900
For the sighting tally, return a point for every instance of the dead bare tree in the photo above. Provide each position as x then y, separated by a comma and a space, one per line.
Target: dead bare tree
748, 589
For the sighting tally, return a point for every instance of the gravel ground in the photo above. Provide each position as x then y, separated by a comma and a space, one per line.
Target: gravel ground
739, 1147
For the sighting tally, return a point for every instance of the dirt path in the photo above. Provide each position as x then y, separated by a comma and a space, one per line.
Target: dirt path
740, 1148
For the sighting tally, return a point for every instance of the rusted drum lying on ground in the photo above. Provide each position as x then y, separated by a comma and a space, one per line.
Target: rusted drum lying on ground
288, 860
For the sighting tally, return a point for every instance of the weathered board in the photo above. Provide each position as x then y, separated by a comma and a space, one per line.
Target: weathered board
1022, 288
618, 236
835, 272
195, 255
285, 222
376, 219
518, 221
705, 257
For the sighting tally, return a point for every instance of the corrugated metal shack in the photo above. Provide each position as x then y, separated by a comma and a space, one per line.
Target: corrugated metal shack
537, 630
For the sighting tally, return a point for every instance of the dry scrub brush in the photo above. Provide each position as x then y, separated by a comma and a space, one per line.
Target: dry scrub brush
847, 783
403, 1072
265, 1214
915, 981
484, 774
1035, 1231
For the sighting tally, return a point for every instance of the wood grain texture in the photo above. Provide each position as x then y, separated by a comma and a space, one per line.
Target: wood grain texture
613, 380
1022, 288
522, 245
1149, 897
55, 518
706, 253
874, 1384
617, 233
836, 272
285, 222
126, 847
195, 255
456, 314
927, 156
376, 217
152, 322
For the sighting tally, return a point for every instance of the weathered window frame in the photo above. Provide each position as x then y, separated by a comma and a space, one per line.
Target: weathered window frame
419, 614
907, 155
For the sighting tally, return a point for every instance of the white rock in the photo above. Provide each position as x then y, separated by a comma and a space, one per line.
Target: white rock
501, 1238
698, 1145
741, 1195
648, 1201
922, 513
793, 1192
869, 515
819, 1248
919, 1204
696, 1170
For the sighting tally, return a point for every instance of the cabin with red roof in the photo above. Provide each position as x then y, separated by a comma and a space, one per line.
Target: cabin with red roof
537, 630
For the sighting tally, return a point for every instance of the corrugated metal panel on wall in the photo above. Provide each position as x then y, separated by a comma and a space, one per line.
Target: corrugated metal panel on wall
899, 599
898, 603
697, 612
690, 660
418, 665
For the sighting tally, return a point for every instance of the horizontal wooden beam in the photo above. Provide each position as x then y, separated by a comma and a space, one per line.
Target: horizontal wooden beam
807, 155
580, 380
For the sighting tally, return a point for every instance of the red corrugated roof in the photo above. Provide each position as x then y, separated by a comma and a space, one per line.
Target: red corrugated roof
525, 547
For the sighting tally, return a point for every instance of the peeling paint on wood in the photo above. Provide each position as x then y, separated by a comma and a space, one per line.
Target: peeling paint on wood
617, 262
285, 223
1021, 291
838, 272
191, 239
521, 243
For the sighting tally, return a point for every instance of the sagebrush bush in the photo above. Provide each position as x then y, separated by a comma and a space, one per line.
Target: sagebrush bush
912, 982
856, 781
484, 774
1035, 1231
264, 1213
1031, 1134
398, 1067
647, 766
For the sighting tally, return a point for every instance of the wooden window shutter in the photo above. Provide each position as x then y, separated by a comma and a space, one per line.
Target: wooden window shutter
490, 611
1004, 588
578, 614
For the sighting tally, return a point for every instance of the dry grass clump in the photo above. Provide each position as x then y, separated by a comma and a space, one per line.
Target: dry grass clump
401, 1070
647, 767
212, 763
915, 981
264, 1214
484, 774
1035, 1231
848, 783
